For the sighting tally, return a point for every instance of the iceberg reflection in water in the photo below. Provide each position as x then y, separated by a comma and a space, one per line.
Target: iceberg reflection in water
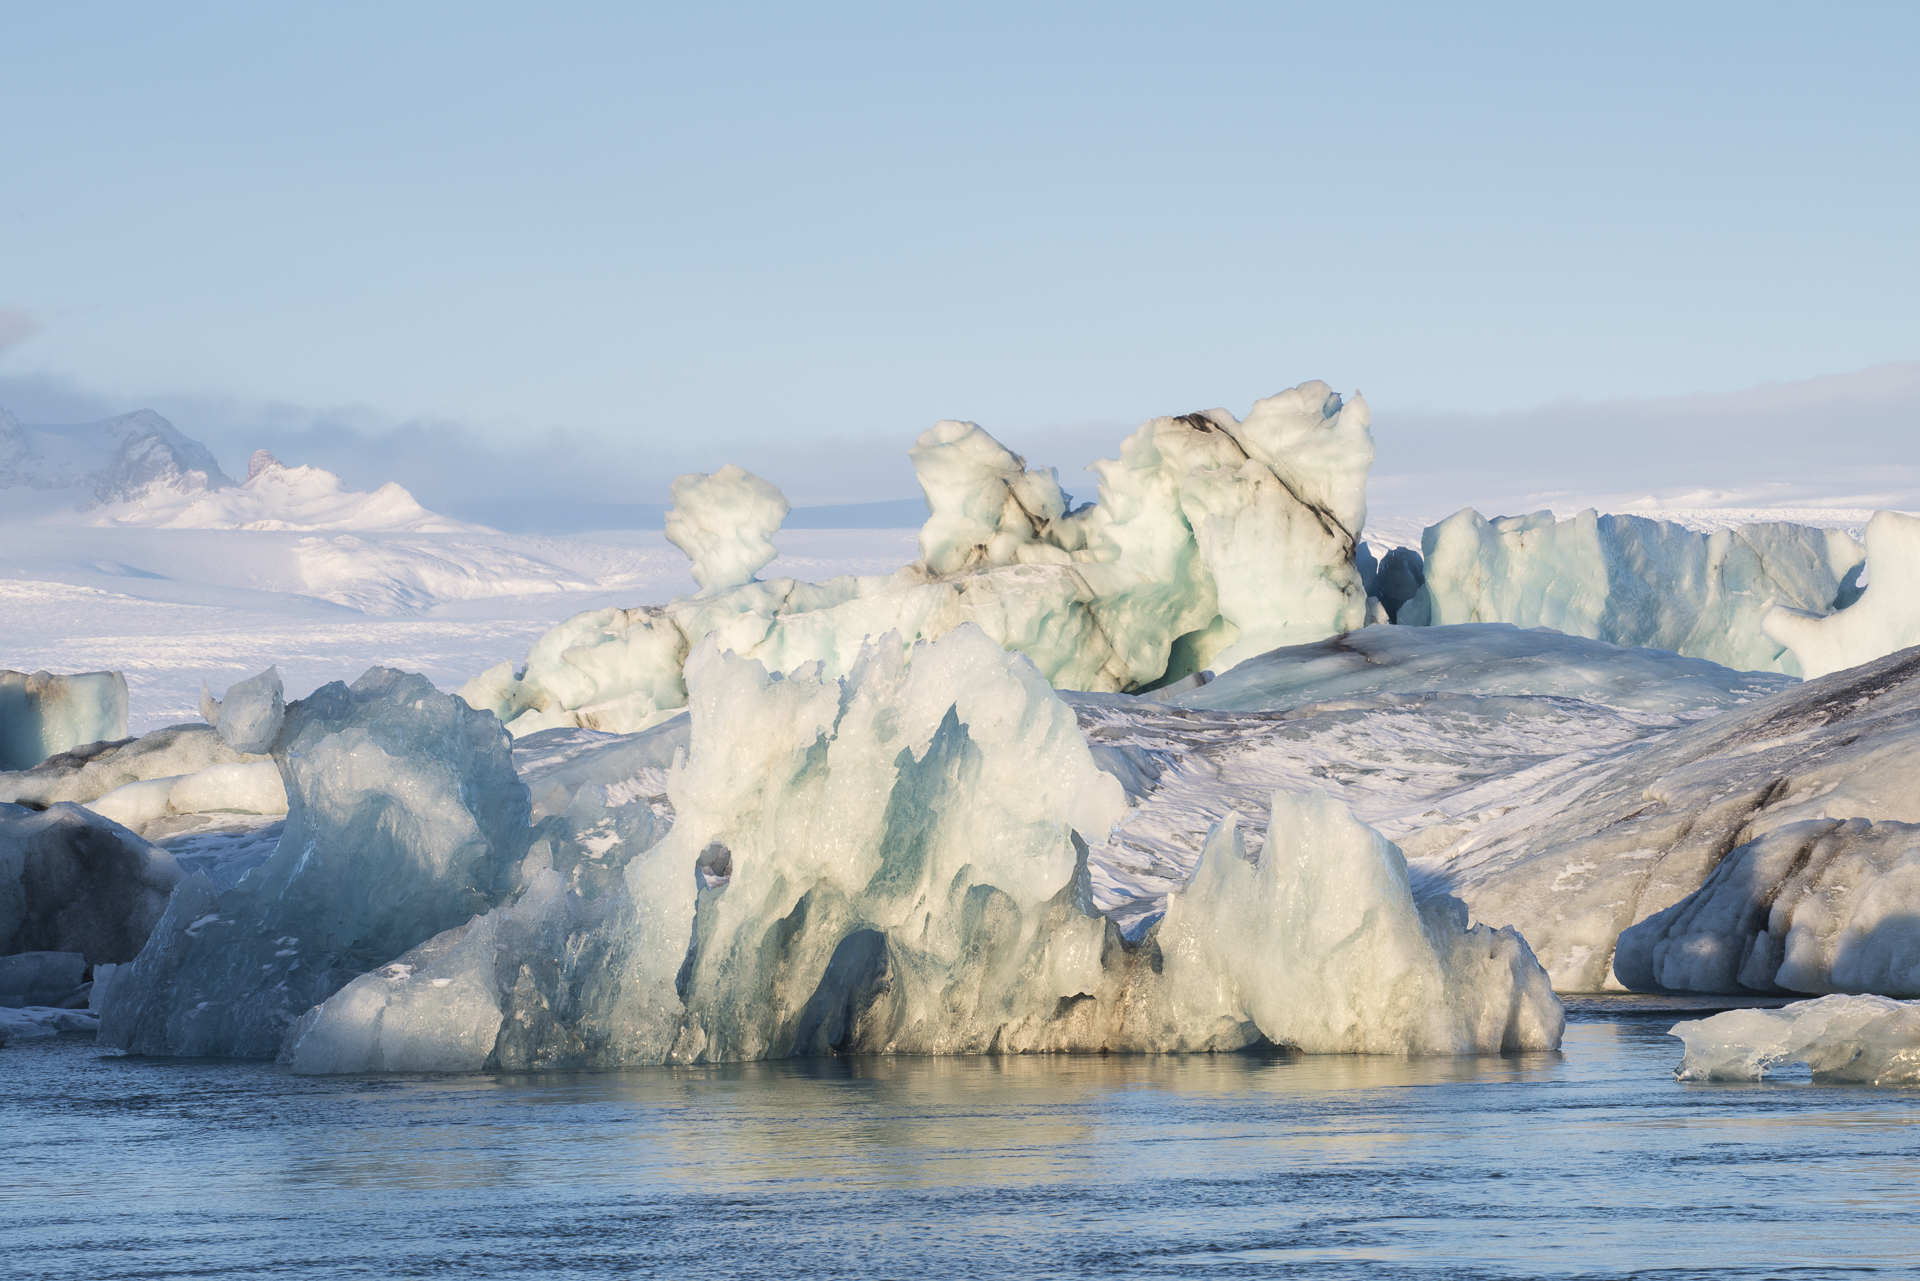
1592, 1161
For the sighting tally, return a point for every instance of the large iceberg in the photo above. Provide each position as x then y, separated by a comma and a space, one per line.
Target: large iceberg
43, 715
1214, 539
1844, 1039
74, 881
406, 818
1886, 617
1823, 905
900, 860
1634, 581
1428, 734
1625, 833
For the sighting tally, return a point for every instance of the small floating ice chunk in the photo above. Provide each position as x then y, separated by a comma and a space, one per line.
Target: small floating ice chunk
1872, 1040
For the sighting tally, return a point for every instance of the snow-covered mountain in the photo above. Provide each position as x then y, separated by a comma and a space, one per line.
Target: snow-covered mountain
138, 469
276, 496
118, 460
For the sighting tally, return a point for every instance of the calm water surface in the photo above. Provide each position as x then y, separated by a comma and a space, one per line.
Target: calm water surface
1590, 1162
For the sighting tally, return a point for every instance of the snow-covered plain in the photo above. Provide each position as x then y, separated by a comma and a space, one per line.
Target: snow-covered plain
173, 607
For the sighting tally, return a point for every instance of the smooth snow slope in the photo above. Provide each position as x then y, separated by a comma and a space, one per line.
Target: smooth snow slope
171, 607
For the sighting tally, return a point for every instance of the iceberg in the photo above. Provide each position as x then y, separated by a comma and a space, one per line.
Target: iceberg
74, 881
22, 1024
55, 980
1823, 905
725, 524
88, 772
1867, 1040
250, 717
218, 789
1634, 581
43, 715
1214, 539
1429, 735
406, 818
898, 860
1633, 829
1479, 659
1886, 618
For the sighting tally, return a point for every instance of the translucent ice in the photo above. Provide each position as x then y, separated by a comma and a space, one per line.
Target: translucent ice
725, 524
1322, 946
42, 715
1823, 905
248, 719
1634, 581
1865, 1039
406, 818
1886, 617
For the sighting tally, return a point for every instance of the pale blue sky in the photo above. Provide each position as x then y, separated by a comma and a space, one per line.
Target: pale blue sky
666, 236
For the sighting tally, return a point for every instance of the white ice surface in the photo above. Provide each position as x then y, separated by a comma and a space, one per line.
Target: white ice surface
725, 523
1885, 618
1844, 1039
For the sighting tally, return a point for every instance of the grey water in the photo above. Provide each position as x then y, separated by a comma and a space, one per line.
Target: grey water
1593, 1161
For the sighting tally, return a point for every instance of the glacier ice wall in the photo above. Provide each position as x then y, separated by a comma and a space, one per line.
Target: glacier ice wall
406, 818
1844, 1039
1822, 905
42, 715
1634, 581
898, 861
1213, 539
1885, 619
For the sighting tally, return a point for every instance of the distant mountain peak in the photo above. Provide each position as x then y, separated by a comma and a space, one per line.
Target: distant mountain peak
120, 459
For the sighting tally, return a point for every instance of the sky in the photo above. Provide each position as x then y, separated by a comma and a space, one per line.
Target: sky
536, 262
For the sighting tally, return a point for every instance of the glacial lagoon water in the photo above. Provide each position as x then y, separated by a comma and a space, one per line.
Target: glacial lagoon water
1592, 1161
